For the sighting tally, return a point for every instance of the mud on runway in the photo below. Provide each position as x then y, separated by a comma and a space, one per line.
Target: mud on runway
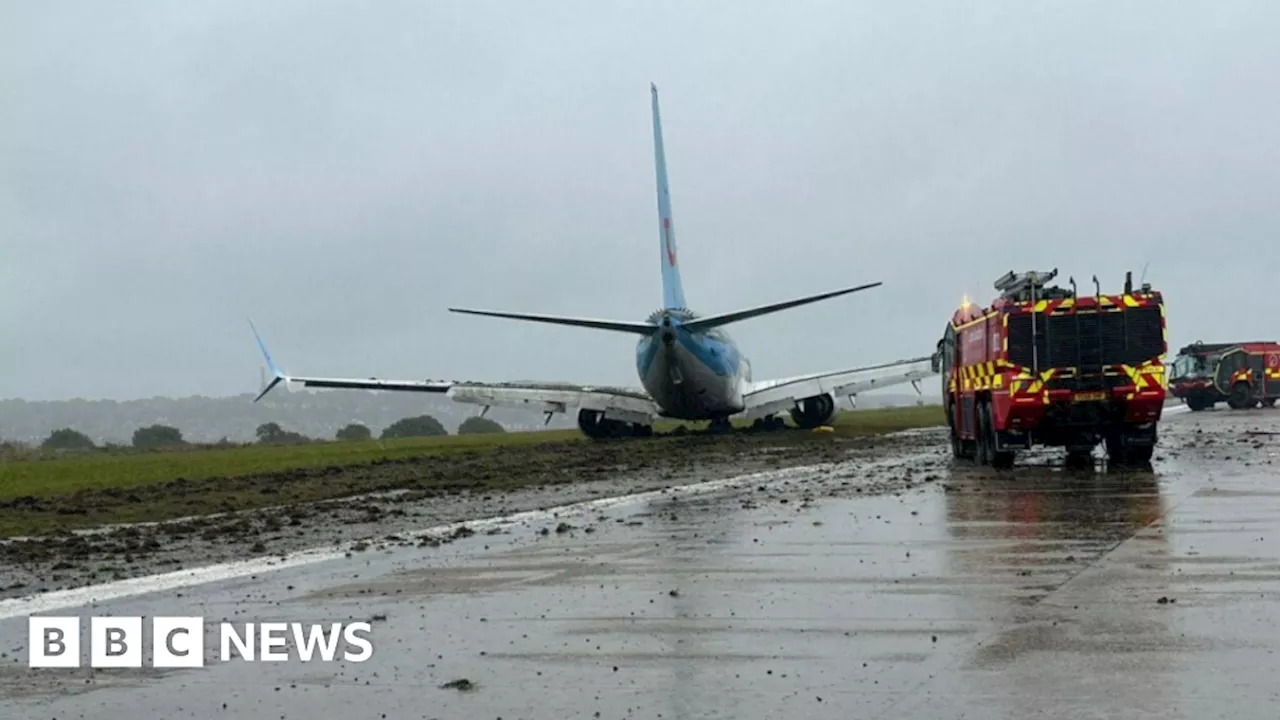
886, 584
392, 498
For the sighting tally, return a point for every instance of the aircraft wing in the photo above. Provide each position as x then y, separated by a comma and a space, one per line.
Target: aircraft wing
625, 404
431, 386
434, 386
774, 396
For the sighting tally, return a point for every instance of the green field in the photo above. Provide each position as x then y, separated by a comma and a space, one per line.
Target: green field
83, 490
86, 471
95, 470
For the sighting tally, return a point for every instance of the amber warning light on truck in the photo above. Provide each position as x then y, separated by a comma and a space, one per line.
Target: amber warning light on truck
180, 642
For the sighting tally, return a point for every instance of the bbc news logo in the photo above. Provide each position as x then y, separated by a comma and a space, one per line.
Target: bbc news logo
179, 642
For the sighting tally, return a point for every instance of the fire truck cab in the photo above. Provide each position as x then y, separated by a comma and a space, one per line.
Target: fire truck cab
1045, 366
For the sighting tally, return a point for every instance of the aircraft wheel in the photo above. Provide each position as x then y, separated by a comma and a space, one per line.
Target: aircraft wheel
720, 426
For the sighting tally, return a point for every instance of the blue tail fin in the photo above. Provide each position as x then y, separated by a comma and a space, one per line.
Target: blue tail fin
672, 291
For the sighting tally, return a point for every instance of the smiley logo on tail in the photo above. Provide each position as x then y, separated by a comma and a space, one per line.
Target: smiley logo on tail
671, 249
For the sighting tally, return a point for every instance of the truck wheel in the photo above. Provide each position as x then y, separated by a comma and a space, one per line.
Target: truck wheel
1121, 451
999, 458
1240, 397
994, 458
1195, 402
1002, 459
957, 449
984, 434
1079, 456
1140, 455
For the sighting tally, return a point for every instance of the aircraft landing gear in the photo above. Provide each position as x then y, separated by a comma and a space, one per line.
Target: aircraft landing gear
766, 424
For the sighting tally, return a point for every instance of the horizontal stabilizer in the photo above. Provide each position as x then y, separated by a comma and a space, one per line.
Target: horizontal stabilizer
731, 317
639, 328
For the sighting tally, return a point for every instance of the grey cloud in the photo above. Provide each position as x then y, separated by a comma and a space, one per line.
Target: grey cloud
343, 172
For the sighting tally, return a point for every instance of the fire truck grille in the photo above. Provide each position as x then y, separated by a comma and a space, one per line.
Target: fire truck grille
1128, 336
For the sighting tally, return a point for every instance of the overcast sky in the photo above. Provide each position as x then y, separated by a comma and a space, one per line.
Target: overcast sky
343, 172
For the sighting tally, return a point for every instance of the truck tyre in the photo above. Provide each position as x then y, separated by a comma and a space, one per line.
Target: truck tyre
1002, 459
999, 458
1122, 451
1079, 456
984, 433
1241, 397
957, 450
1196, 402
1140, 455
994, 458
1115, 448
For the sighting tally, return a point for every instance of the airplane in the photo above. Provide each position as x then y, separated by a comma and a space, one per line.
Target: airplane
689, 367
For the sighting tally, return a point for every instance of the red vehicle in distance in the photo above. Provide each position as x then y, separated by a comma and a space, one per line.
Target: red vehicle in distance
1242, 374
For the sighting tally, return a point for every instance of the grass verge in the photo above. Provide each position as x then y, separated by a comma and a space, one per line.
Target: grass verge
41, 496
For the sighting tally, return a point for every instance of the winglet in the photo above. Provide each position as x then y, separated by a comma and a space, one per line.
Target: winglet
275, 371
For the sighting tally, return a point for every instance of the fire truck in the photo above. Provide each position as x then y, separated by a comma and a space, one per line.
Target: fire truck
1244, 374
1046, 366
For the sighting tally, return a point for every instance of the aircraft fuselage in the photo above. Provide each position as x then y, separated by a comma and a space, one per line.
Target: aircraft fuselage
692, 375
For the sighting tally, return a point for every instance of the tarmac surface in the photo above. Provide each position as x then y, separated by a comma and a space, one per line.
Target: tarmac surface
827, 592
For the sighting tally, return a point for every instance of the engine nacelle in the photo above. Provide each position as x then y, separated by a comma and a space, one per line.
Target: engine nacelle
812, 412
596, 426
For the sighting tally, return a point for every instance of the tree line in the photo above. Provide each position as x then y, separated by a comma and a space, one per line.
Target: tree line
153, 437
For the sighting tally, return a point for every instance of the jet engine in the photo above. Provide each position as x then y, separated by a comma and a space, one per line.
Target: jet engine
814, 411
596, 426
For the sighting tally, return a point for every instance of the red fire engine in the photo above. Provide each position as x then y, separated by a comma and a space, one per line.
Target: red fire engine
1244, 374
1044, 366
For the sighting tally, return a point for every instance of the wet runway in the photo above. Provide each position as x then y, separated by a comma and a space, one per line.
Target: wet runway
1037, 593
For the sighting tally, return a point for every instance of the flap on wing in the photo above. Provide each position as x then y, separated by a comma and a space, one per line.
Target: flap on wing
431, 386
556, 397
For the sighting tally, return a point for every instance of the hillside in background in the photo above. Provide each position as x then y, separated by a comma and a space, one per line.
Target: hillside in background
317, 414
